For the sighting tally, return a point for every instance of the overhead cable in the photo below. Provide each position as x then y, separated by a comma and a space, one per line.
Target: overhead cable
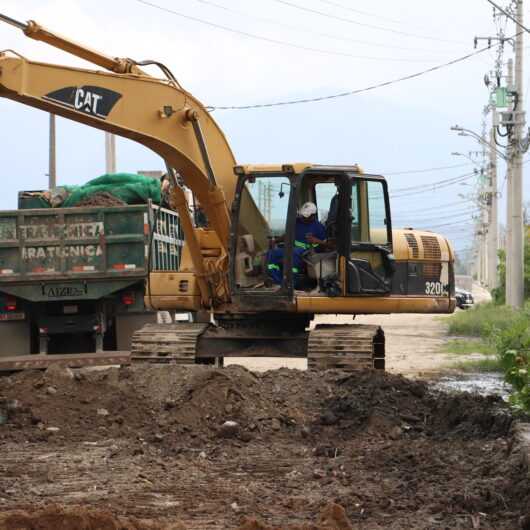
333, 36
365, 13
427, 170
363, 24
349, 92
429, 185
420, 192
442, 225
452, 215
438, 206
276, 41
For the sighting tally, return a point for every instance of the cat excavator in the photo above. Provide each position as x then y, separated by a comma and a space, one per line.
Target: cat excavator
223, 281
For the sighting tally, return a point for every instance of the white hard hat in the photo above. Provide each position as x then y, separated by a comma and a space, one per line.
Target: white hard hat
308, 209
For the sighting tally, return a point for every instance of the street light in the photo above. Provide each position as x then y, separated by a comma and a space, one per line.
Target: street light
482, 141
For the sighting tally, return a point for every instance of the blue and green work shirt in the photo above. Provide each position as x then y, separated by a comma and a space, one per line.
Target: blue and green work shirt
302, 229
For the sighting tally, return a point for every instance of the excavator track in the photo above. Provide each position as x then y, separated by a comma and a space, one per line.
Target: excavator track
346, 347
166, 343
327, 346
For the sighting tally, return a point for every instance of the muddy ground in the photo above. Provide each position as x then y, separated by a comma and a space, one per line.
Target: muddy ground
116, 447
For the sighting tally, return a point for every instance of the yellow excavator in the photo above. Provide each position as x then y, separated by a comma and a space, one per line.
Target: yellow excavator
250, 214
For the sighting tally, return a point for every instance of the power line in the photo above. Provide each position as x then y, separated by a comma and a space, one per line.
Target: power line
429, 185
427, 170
436, 222
431, 208
452, 215
427, 190
357, 23
274, 41
351, 92
442, 225
309, 31
365, 13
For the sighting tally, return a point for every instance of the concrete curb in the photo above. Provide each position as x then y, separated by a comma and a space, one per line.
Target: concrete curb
522, 444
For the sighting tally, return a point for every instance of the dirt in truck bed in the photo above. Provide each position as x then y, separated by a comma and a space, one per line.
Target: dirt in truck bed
174, 447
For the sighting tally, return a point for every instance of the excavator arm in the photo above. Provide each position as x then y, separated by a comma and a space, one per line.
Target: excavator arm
149, 111
157, 113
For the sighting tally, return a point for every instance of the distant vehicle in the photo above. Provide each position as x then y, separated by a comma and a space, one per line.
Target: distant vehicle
464, 299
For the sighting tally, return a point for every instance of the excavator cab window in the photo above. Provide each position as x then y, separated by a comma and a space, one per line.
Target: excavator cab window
352, 252
260, 247
370, 262
357, 255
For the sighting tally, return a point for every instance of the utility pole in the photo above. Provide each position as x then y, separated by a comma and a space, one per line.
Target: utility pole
509, 202
517, 202
493, 231
484, 207
110, 153
52, 165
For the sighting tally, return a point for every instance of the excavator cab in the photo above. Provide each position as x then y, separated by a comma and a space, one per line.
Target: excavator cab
275, 264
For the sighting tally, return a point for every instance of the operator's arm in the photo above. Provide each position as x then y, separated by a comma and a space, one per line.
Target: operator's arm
318, 235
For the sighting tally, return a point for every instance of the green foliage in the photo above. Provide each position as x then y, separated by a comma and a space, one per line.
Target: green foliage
480, 320
469, 346
507, 331
499, 292
516, 365
487, 364
513, 348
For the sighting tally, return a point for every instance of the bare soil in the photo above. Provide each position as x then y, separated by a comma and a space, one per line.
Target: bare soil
148, 447
101, 199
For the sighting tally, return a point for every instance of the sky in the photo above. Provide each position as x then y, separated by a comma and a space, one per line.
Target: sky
235, 52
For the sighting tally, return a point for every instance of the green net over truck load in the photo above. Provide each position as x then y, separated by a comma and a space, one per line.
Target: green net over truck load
125, 188
130, 188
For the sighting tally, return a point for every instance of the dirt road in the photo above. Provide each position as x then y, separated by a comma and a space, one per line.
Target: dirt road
153, 443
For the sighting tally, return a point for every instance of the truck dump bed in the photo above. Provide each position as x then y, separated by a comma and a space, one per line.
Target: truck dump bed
66, 269
67, 242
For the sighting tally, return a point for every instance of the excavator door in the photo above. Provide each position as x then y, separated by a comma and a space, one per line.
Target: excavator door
370, 263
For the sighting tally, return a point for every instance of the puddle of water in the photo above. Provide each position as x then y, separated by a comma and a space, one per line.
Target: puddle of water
485, 384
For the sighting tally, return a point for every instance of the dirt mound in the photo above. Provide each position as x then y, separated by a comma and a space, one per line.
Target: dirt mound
332, 517
101, 199
75, 518
387, 405
169, 404
209, 447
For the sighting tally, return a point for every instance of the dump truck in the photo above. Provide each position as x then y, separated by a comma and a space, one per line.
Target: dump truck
72, 280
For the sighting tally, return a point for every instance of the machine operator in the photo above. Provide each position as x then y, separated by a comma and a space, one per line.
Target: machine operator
309, 234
